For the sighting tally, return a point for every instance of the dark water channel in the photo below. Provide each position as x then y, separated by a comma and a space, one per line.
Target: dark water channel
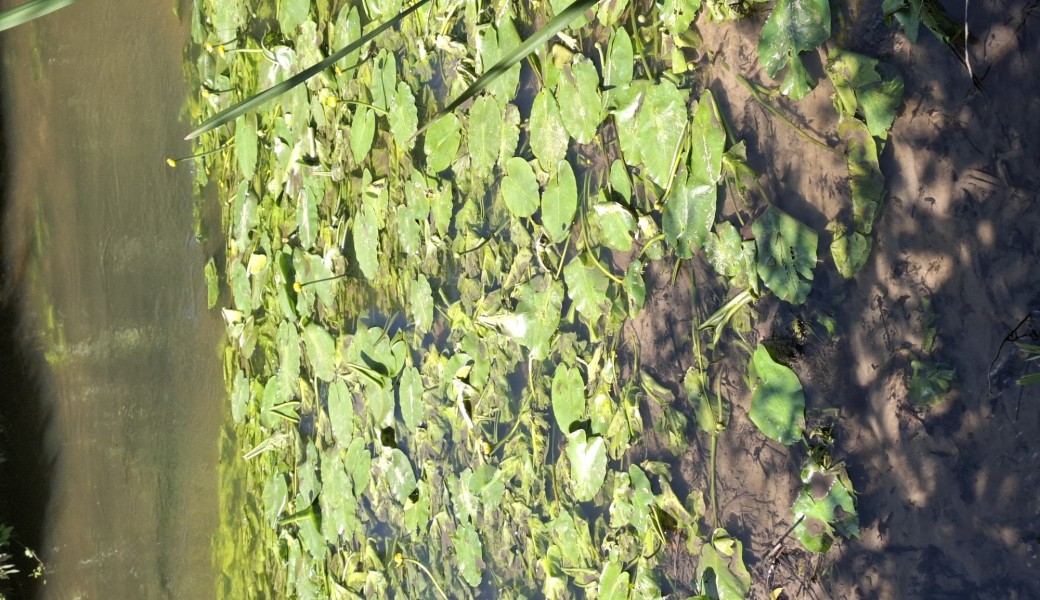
103, 266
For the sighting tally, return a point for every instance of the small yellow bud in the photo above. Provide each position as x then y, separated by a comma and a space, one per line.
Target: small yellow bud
398, 559
297, 287
486, 447
171, 162
221, 51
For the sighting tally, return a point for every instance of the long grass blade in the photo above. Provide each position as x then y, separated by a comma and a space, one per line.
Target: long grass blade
33, 9
556, 25
233, 112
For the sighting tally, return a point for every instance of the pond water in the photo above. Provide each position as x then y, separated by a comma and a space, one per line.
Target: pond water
102, 229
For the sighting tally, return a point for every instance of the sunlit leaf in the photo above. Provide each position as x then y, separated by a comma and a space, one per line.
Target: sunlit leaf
651, 123
399, 475
548, 136
443, 138
404, 117
614, 225
520, 188
777, 402
362, 132
786, 254
708, 141
793, 27
484, 135
422, 304
689, 213
469, 551
246, 145
722, 567
580, 104
559, 203
825, 508
568, 397
588, 461
586, 287
366, 240
341, 411
613, 582
321, 351
410, 395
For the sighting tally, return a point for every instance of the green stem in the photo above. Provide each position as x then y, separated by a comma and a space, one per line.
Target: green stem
428, 574
757, 95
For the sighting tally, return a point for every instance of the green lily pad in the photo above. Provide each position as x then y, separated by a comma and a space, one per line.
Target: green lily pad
410, 398
421, 304
777, 401
689, 213
708, 141
443, 138
404, 117
613, 582
721, 567
366, 240
816, 509
362, 132
586, 287
276, 493
613, 225
384, 80
291, 13
539, 312
786, 254
484, 135
469, 551
610, 11
865, 178
321, 351
559, 203
635, 288
850, 251
581, 106
651, 120
548, 135
399, 475
520, 188
588, 461
793, 27
620, 60
568, 397
341, 412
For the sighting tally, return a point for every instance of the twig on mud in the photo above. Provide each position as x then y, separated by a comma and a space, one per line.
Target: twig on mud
756, 94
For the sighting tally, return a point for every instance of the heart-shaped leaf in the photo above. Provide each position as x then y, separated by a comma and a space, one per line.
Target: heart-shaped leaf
777, 401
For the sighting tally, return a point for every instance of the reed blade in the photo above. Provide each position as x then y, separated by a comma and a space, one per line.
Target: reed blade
33, 9
233, 112
556, 25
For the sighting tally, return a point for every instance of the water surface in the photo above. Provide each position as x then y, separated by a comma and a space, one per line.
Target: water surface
93, 97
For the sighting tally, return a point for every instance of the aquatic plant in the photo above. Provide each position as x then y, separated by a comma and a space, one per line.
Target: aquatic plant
31, 10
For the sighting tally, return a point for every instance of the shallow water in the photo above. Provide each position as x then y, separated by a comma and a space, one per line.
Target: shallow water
102, 229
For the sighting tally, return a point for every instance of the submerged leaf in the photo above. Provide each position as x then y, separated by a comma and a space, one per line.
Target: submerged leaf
443, 138
484, 135
469, 551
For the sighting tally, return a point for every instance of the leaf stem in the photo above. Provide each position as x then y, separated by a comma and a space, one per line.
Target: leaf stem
757, 95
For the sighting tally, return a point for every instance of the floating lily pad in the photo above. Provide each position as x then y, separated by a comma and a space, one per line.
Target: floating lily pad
410, 398
825, 508
651, 121
613, 225
722, 569
586, 287
548, 135
588, 461
484, 136
469, 550
404, 117
399, 475
786, 254
777, 401
568, 397
689, 213
520, 188
793, 27
581, 106
559, 203
321, 351
443, 138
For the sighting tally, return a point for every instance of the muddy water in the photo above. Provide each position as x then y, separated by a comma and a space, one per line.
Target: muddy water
101, 230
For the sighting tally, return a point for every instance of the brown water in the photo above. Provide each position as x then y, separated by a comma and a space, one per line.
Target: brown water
103, 227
